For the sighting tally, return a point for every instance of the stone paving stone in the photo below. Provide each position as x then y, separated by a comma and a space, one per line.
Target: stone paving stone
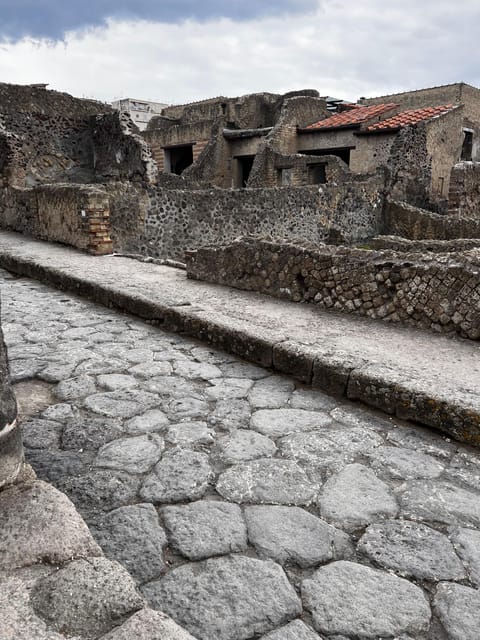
133, 455
179, 409
175, 387
75, 388
228, 388
132, 535
150, 421
243, 445
31, 517
296, 630
193, 370
396, 462
41, 434
98, 365
180, 475
467, 545
190, 433
60, 412
465, 468
25, 369
243, 370
90, 433
205, 528
114, 381
439, 501
231, 414
53, 465
291, 534
353, 416
87, 597
148, 625
413, 550
151, 369
330, 448
355, 497
56, 372
271, 393
423, 441
269, 481
121, 404
348, 598
228, 598
311, 400
458, 608
281, 422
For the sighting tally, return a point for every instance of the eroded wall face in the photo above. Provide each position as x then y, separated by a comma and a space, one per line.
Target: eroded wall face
464, 195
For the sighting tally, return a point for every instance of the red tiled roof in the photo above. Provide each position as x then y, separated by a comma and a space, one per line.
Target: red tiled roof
413, 116
353, 116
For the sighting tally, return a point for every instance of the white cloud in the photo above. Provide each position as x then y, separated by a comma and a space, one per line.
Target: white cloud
347, 48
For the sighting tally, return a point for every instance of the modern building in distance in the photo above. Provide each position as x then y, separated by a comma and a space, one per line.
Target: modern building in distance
141, 111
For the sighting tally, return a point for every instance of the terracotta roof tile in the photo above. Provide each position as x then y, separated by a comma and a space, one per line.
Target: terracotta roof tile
413, 116
351, 117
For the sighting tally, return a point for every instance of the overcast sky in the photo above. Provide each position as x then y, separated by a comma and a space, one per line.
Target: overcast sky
181, 50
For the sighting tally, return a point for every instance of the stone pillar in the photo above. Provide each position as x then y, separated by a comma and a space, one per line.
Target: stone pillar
11, 449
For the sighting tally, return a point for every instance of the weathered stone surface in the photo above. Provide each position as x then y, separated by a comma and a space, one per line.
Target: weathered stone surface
205, 528
114, 381
413, 550
75, 388
121, 404
231, 414
458, 608
40, 524
90, 433
467, 545
267, 481
60, 412
229, 388
229, 598
41, 434
243, 370
151, 369
186, 408
355, 497
88, 597
148, 625
311, 400
189, 433
271, 393
396, 462
133, 536
423, 441
133, 455
439, 501
151, 420
53, 465
243, 445
280, 422
348, 598
193, 370
291, 534
180, 475
296, 630
465, 468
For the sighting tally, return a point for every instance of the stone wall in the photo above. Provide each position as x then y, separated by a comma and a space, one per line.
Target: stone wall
77, 215
395, 243
410, 222
440, 292
177, 220
464, 196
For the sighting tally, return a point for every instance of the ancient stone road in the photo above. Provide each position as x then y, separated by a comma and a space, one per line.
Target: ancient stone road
244, 505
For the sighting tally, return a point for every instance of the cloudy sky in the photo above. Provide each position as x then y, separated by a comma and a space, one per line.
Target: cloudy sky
181, 50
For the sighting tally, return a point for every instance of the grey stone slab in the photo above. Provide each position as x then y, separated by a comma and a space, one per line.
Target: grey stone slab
230, 414
40, 524
228, 388
121, 404
98, 365
243, 445
292, 535
355, 497
114, 381
351, 599
458, 608
353, 416
151, 369
205, 528
296, 630
147, 624
60, 412
271, 393
151, 421
405, 464
312, 400
25, 369
136, 454
53, 465
74, 389
90, 433
193, 370
423, 441
438, 501
465, 469
228, 598
175, 387
56, 371
180, 475
86, 597
412, 549
132, 536
41, 434
269, 481
190, 433
281, 422
186, 408
467, 545
243, 370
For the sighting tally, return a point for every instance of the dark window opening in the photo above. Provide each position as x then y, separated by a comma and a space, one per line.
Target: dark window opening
245, 164
179, 158
467, 147
343, 153
317, 174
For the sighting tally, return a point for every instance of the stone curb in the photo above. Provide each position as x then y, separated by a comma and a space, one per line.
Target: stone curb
337, 373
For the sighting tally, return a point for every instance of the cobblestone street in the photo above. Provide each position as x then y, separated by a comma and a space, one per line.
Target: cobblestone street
243, 504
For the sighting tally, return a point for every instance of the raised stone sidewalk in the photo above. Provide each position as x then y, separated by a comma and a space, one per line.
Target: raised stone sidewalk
413, 374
